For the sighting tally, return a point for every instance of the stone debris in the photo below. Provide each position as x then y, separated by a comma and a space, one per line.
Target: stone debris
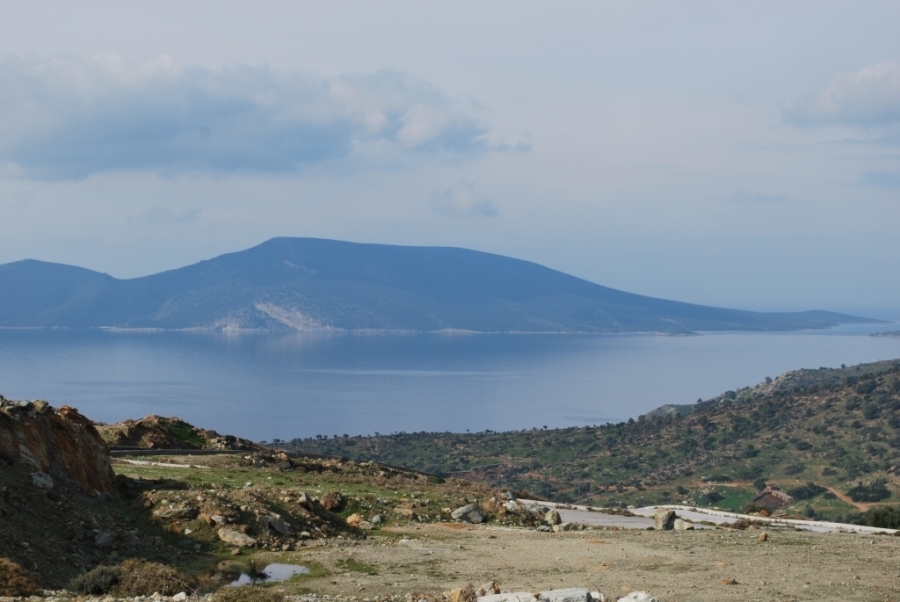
468, 513
763, 536
682, 525
509, 597
572, 594
42, 480
552, 518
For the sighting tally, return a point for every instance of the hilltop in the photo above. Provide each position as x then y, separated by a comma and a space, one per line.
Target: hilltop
306, 284
832, 428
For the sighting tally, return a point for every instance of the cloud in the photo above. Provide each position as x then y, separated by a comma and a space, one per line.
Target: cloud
163, 215
68, 118
461, 201
867, 98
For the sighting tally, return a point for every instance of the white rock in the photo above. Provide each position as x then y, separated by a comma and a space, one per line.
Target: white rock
571, 594
179, 597
236, 538
42, 480
639, 597
509, 597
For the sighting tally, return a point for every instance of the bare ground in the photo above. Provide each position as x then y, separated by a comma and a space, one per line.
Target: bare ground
675, 566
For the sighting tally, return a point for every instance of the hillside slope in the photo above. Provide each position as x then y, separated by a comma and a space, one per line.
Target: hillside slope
305, 284
837, 428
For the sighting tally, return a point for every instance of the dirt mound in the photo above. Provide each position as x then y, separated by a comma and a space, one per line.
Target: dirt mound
159, 432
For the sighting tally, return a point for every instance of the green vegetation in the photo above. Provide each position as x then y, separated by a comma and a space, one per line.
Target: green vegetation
353, 565
803, 432
184, 432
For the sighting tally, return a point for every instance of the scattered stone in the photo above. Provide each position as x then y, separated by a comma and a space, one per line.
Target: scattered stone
682, 525
376, 520
511, 506
276, 524
366, 525
552, 517
639, 597
468, 513
176, 511
236, 538
544, 529
41, 406
333, 502
488, 589
104, 540
42, 480
729, 582
354, 519
763, 536
664, 519
180, 597
406, 513
572, 594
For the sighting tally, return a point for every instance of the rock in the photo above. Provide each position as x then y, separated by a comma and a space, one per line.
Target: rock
406, 513
597, 596
572, 594
682, 525
511, 506
176, 511
729, 582
664, 519
763, 536
276, 524
468, 513
509, 597
180, 597
366, 525
236, 538
105, 540
376, 520
488, 589
544, 529
552, 517
354, 519
41, 406
217, 519
639, 597
42, 480
566, 527
509, 495
332, 502
462, 594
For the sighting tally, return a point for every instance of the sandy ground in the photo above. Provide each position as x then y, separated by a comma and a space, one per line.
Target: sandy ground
675, 566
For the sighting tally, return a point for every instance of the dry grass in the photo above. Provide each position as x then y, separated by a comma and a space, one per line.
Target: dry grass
15, 581
248, 593
142, 578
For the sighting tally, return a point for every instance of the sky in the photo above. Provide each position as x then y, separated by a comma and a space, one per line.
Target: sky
734, 154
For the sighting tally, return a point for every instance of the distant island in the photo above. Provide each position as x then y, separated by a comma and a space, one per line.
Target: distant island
316, 285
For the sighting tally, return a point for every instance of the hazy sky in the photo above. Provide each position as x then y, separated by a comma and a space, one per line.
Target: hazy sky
738, 154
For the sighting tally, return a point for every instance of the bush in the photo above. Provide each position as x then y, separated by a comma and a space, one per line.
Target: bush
142, 578
712, 497
14, 581
248, 593
97, 581
874, 492
132, 578
887, 517
804, 492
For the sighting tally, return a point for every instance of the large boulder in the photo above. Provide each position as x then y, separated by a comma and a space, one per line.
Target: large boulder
468, 513
664, 519
509, 597
236, 538
552, 517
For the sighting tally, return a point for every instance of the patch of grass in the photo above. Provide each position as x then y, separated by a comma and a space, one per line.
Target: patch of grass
356, 566
184, 432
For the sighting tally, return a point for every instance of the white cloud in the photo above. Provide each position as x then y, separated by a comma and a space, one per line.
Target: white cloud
462, 201
68, 118
869, 97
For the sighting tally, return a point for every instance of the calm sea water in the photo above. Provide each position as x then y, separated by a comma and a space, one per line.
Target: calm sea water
271, 386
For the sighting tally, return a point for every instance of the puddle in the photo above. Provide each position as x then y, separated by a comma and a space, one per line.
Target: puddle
272, 573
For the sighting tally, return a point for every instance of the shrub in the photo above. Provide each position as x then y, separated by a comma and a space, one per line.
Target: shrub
14, 581
98, 580
874, 492
142, 578
712, 497
248, 593
887, 517
804, 492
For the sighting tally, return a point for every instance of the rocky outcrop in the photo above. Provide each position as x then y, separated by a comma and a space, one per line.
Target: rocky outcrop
57, 446
160, 432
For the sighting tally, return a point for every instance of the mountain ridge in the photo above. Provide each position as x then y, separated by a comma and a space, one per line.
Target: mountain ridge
308, 284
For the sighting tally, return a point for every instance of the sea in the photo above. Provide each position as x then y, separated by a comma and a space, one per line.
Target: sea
274, 386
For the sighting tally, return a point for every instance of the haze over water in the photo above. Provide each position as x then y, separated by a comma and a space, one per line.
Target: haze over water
285, 386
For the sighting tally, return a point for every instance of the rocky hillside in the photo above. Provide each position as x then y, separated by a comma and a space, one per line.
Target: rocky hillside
837, 428
159, 432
